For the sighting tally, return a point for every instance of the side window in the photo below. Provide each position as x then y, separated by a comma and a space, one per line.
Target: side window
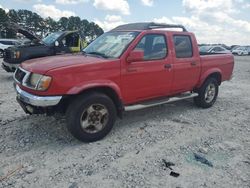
9, 43
220, 49
154, 46
217, 49
14, 42
70, 40
183, 46
5, 42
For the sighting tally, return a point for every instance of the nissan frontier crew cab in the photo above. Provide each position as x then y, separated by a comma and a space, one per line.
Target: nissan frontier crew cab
131, 67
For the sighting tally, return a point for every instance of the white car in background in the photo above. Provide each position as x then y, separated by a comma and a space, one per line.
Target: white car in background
214, 50
248, 49
6, 43
240, 51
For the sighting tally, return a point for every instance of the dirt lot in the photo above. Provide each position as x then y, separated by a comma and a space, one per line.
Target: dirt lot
44, 154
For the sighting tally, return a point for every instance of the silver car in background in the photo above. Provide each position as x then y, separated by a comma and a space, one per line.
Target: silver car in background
214, 50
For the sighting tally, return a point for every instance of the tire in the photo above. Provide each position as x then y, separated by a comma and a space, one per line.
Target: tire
205, 100
90, 117
1, 53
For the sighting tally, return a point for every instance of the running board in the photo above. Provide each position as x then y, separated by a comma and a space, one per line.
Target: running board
160, 101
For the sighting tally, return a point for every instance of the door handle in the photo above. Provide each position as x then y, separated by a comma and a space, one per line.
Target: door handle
131, 70
167, 66
193, 63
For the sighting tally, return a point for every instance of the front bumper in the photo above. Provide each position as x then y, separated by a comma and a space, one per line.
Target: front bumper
9, 67
36, 101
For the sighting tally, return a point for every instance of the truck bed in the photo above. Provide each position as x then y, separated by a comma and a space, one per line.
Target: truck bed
224, 64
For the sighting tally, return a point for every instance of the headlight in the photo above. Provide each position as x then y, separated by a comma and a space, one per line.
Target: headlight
38, 82
34, 79
16, 54
44, 83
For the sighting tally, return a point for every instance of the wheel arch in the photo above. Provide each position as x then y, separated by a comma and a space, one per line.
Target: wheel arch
109, 90
215, 73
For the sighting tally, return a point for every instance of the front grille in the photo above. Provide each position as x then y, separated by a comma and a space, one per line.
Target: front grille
19, 75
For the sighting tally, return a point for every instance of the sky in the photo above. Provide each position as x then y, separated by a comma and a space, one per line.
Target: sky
213, 21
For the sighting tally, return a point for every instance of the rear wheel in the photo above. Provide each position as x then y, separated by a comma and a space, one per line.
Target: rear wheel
207, 93
91, 117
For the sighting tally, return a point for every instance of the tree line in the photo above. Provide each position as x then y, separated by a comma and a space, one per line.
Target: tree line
41, 26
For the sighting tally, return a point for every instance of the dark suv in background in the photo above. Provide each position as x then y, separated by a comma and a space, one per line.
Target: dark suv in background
55, 43
6, 43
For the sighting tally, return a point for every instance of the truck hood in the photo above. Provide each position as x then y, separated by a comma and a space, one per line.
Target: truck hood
28, 34
19, 29
45, 64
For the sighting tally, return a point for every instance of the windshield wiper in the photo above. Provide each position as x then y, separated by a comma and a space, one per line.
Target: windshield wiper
96, 53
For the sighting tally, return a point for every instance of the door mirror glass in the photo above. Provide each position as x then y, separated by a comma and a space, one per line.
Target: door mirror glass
56, 43
135, 55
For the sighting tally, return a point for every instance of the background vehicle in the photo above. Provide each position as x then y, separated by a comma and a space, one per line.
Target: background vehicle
133, 66
6, 43
56, 43
248, 49
240, 51
214, 49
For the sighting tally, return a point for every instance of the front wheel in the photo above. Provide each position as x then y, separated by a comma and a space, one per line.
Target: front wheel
207, 93
90, 117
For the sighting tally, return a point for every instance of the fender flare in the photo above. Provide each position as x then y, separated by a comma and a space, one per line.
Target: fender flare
95, 84
206, 74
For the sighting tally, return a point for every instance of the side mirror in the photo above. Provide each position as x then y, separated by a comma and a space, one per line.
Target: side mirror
135, 55
56, 43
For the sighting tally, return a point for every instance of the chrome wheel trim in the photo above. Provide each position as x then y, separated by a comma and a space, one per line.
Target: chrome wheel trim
210, 93
94, 118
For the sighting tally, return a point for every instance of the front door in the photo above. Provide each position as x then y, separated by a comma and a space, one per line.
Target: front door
151, 77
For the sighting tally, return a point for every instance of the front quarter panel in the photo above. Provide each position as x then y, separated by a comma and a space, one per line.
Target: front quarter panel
75, 79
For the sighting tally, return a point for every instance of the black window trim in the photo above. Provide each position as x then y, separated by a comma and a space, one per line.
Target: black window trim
126, 48
165, 39
190, 42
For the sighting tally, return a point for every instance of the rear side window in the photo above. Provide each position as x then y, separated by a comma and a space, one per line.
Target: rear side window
218, 49
6, 42
183, 46
154, 46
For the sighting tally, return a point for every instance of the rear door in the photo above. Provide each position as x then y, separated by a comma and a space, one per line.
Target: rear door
151, 77
186, 62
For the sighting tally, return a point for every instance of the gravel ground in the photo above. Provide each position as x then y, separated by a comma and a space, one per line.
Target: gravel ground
44, 154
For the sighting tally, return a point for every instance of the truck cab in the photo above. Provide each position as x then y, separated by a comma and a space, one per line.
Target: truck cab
131, 67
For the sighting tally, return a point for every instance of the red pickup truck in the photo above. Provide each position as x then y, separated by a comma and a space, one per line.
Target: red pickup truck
131, 67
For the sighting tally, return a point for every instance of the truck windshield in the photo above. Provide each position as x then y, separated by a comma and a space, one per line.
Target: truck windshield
111, 44
51, 38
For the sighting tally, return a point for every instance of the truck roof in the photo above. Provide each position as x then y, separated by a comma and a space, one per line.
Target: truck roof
147, 26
